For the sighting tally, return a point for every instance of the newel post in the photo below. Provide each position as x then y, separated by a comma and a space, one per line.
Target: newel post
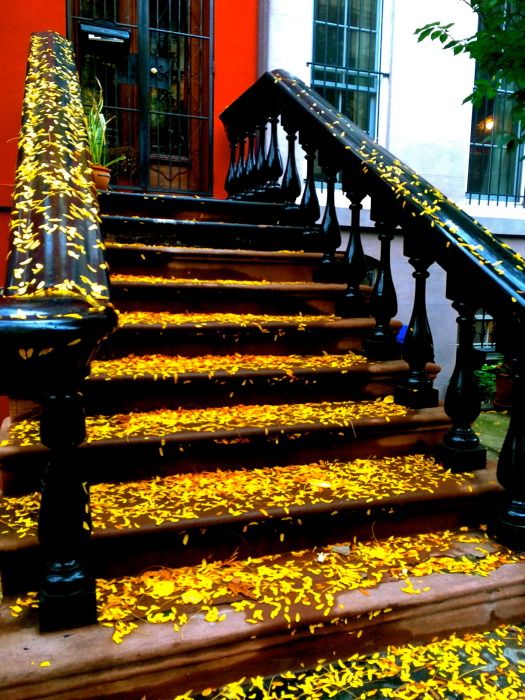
67, 590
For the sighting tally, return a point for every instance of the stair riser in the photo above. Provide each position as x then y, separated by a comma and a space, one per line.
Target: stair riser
214, 540
220, 341
209, 235
202, 299
114, 461
173, 265
199, 208
147, 394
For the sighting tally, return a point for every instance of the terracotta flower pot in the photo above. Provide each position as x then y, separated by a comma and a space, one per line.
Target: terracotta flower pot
101, 177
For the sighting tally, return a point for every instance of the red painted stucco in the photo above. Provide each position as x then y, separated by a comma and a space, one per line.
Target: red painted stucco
236, 43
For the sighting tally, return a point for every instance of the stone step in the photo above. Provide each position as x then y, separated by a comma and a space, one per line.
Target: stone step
185, 518
159, 293
192, 627
194, 208
143, 332
209, 263
157, 443
208, 234
148, 382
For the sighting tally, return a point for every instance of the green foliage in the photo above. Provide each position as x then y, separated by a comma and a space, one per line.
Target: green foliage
486, 378
499, 52
96, 128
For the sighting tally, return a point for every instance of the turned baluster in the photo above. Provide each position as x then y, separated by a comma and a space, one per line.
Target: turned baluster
291, 183
508, 524
353, 301
261, 162
240, 168
67, 593
329, 269
274, 163
381, 344
309, 207
249, 170
461, 449
230, 184
418, 347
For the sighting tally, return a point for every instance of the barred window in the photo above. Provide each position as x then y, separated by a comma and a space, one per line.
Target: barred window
346, 57
494, 172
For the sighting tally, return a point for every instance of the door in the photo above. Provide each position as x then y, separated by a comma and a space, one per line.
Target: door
156, 81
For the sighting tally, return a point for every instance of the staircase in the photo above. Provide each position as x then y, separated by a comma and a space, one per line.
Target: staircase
233, 424
261, 495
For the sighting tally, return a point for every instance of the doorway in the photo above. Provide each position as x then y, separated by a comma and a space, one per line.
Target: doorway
157, 87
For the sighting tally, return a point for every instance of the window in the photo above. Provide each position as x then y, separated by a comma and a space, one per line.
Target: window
494, 172
346, 57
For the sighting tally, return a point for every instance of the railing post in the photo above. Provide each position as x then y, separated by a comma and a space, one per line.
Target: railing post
240, 168
461, 449
261, 164
291, 183
230, 184
274, 162
381, 344
67, 593
309, 207
329, 269
508, 523
353, 301
417, 391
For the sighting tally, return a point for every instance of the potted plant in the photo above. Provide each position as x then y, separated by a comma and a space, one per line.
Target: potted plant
96, 130
495, 384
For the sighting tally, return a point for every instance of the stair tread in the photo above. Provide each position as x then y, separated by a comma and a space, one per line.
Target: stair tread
229, 419
287, 256
119, 279
218, 224
178, 626
194, 319
204, 499
159, 366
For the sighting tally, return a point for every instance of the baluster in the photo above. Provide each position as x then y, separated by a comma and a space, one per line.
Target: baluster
329, 269
230, 183
240, 169
309, 207
461, 449
249, 170
508, 525
261, 163
274, 164
353, 301
291, 183
381, 344
417, 391
67, 594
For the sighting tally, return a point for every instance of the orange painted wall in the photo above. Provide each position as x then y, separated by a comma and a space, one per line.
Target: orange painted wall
236, 40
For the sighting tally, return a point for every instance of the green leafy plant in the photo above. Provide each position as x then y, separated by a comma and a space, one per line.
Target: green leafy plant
97, 125
486, 378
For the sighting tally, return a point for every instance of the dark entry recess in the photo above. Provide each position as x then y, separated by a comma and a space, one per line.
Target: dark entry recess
157, 87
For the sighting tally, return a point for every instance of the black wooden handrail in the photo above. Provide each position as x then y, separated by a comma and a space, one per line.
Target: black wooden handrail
481, 270
456, 237
54, 313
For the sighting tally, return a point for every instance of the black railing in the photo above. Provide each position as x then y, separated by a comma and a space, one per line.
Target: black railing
54, 313
481, 271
